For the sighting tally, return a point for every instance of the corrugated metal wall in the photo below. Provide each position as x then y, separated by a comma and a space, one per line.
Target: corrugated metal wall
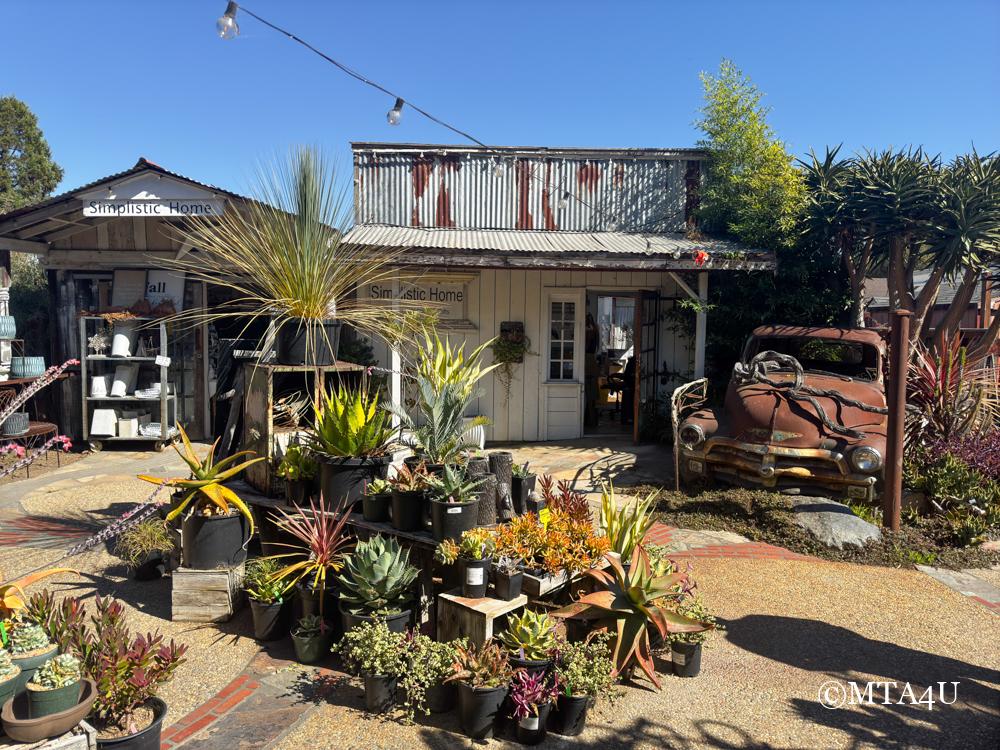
470, 190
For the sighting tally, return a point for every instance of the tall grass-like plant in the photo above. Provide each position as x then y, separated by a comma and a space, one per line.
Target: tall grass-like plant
625, 527
282, 257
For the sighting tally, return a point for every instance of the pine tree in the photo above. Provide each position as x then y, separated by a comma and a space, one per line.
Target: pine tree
27, 171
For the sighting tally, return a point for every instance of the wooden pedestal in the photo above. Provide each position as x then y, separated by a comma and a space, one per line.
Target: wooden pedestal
458, 617
81, 737
206, 595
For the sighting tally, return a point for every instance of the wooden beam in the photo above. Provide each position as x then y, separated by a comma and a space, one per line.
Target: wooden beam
60, 258
34, 217
75, 228
683, 285
24, 246
700, 327
563, 262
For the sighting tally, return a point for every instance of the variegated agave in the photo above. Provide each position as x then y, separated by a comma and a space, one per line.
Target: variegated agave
628, 608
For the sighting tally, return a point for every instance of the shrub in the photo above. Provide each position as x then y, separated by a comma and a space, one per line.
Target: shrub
428, 663
693, 607
979, 452
371, 648
586, 668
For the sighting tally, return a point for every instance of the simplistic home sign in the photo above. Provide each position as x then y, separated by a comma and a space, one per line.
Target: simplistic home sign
156, 207
448, 297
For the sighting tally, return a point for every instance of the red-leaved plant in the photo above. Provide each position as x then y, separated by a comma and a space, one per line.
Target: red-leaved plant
563, 497
529, 692
979, 452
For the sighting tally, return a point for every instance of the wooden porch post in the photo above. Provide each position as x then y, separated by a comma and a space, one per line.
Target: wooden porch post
395, 360
700, 326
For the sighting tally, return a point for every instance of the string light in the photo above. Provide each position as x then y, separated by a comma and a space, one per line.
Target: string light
564, 201
395, 114
226, 26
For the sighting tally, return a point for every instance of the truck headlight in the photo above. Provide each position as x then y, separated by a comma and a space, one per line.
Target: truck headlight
866, 459
691, 436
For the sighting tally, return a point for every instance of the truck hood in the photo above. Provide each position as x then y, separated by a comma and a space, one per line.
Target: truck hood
758, 413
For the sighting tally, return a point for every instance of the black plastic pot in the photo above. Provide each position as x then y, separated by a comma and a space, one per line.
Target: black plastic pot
153, 567
686, 658
475, 577
313, 649
147, 739
531, 730
570, 716
408, 510
29, 665
296, 491
210, 542
479, 709
345, 479
270, 621
533, 505
531, 666
375, 508
291, 338
520, 488
47, 702
507, 587
380, 693
449, 520
309, 599
441, 698
396, 623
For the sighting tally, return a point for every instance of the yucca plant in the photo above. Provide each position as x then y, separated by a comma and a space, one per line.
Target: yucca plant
205, 487
531, 636
350, 423
625, 527
377, 577
632, 605
439, 433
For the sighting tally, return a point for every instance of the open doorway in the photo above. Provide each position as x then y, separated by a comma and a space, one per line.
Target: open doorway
609, 366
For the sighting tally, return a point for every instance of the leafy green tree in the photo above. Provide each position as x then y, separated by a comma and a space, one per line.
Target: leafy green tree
27, 171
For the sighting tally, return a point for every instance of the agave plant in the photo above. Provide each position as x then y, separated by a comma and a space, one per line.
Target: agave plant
625, 527
439, 434
205, 486
377, 577
483, 666
531, 636
444, 366
632, 603
349, 423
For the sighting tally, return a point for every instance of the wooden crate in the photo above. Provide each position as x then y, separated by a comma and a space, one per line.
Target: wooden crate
81, 737
474, 619
206, 595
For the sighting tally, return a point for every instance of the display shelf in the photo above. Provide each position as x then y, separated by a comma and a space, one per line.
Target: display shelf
109, 358
170, 397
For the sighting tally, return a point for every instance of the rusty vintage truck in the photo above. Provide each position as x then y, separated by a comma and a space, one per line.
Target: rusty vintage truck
804, 412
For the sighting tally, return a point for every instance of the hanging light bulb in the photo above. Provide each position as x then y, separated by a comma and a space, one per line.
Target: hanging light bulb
394, 115
564, 201
226, 26
497, 168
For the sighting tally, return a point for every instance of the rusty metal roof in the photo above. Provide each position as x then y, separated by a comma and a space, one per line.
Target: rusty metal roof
860, 335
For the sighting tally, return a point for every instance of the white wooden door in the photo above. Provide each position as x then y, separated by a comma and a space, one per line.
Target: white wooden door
562, 363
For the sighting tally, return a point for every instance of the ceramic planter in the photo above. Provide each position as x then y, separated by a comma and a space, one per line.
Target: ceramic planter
147, 739
479, 709
343, 480
396, 623
507, 587
531, 729
291, 341
375, 508
475, 577
210, 542
20, 728
309, 650
270, 621
27, 367
570, 716
123, 339
57, 700
449, 520
380, 692
29, 664
520, 489
408, 510
8, 327
15, 424
686, 658
531, 666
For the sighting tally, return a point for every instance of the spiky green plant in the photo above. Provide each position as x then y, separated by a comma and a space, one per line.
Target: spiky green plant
445, 366
377, 577
310, 626
57, 672
349, 422
437, 432
8, 669
454, 486
531, 636
483, 666
27, 637
625, 527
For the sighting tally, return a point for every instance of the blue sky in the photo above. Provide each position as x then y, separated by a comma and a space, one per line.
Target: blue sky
112, 81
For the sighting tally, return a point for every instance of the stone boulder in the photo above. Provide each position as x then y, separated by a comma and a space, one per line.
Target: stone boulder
832, 523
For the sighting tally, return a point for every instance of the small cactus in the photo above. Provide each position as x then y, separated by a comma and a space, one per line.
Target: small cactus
531, 636
28, 637
57, 672
8, 669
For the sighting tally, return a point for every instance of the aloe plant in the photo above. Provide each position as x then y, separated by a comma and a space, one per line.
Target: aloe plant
350, 423
377, 577
445, 366
631, 604
625, 527
531, 636
483, 666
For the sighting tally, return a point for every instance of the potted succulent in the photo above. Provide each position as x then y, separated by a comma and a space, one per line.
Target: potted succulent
377, 582
378, 654
311, 639
532, 694
483, 675
352, 438
474, 555
265, 588
9, 672
507, 577
409, 488
531, 641
584, 673
377, 500
314, 556
55, 686
146, 548
685, 648
298, 469
217, 524
30, 647
428, 665
522, 484
454, 506
436, 433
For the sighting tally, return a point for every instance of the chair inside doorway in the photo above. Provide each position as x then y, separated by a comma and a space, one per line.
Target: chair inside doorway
609, 368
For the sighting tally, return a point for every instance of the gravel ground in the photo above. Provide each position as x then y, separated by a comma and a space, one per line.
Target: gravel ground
792, 626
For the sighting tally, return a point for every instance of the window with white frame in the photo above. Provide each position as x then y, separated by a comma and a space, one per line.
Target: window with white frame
562, 341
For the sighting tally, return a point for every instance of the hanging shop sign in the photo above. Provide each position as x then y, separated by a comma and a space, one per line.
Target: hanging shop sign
153, 208
447, 296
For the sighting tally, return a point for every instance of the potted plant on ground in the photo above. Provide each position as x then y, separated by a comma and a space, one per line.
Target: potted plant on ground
55, 686
352, 437
685, 648
218, 524
266, 588
522, 484
311, 639
377, 582
454, 505
146, 548
377, 500
531, 641
428, 665
314, 556
474, 553
378, 654
507, 577
483, 675
30, 647
532, 694
409, 488
8, 676
298, 469
584, 673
